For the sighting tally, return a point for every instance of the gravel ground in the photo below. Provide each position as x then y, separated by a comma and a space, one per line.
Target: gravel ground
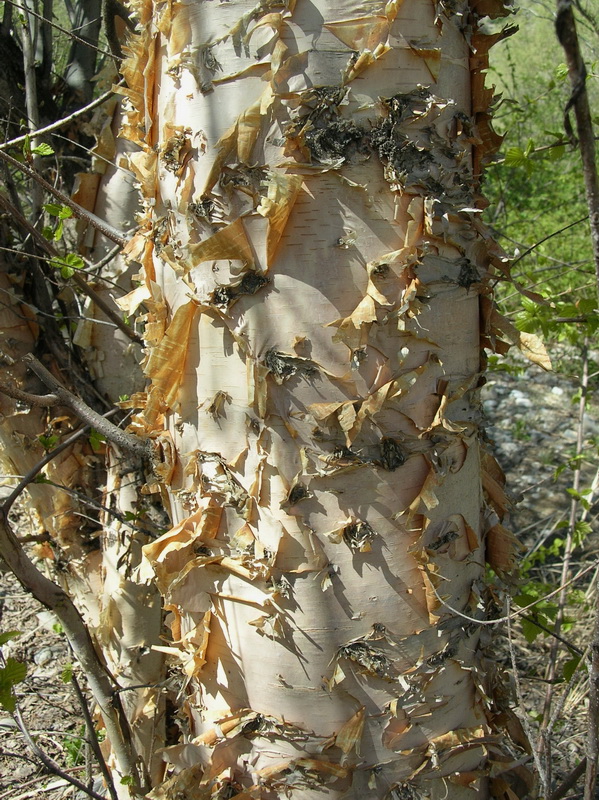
532, 424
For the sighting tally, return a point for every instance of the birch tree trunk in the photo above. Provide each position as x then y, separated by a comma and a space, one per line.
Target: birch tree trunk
316, 280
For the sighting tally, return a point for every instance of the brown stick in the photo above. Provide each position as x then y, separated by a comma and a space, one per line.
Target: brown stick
569, 782
565, 26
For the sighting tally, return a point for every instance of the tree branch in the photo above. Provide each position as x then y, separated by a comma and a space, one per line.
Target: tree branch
69, 33
565, 26
80, 282
126, 441
56, 600
81, 213
37, 468
93, 739
49, 762
64, 121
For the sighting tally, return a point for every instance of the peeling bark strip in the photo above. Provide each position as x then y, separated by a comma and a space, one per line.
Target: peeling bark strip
317, 285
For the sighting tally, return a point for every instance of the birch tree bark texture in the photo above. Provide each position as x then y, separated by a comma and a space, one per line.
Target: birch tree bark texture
315, 277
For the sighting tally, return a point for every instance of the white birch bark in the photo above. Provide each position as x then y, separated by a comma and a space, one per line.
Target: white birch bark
315, 273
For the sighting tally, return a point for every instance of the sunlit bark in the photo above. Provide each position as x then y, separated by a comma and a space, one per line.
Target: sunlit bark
315, 278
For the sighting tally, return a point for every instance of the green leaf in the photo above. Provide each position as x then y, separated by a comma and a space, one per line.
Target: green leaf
530, 147
67, 264
8, 635
561, 72
52, 208
43, 149
96, 439
67, 673
47, 442
515, 157
127, 780
530, 630
11, 673
557, 152
27, 146
570, 667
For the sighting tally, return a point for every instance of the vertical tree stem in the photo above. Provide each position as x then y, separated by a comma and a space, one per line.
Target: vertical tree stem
545, 731
565, 26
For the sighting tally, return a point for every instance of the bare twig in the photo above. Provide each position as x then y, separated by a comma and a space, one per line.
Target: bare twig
523, 718
49, 762
544, 732
592, 743
63, 121
105, 229
88, 501
68, 33
93, 739
533, 247
555, 635
35, 470
127, 441
80, 282
565, 26
31, 98
520, 611
569, 781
